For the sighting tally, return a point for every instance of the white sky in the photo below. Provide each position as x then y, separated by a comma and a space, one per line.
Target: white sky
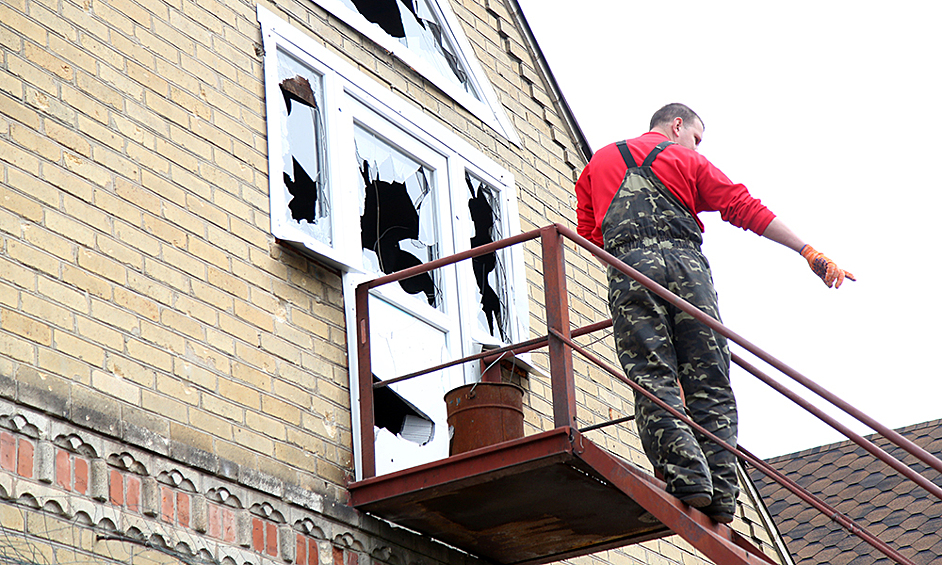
808, 104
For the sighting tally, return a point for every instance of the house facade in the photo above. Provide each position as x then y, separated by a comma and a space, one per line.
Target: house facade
190, 193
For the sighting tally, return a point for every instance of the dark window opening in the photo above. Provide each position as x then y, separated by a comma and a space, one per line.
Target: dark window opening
397, 227
414, 24
302, 175
489, 270
304, 193
386, 14
396, 414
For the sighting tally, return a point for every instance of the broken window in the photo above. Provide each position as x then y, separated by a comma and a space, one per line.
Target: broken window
397, 213
490, 271
410, 417
414, 24
403, 205
303, 149
400, 417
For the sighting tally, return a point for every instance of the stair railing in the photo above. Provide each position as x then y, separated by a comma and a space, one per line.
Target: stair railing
559, 340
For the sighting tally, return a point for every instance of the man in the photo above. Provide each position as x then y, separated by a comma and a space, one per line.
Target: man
647, 216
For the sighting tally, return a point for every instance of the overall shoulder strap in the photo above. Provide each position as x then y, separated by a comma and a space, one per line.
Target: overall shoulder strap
655, 152
626, 154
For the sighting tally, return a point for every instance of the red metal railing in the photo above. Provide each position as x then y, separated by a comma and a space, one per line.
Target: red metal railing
559, 340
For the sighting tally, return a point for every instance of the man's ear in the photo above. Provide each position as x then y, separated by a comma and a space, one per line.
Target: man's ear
676, 125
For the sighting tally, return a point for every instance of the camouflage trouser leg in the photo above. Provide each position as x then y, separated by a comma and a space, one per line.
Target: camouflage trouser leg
658, 345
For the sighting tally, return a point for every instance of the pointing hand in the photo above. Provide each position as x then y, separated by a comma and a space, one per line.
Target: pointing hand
830, 273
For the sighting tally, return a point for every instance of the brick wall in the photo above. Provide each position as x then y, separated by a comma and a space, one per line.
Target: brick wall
139, 277
139, 280
71, 496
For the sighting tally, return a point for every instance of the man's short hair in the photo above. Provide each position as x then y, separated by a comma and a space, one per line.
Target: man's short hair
675, 110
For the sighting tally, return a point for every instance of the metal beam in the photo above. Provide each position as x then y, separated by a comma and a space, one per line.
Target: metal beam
557, 320
720, 543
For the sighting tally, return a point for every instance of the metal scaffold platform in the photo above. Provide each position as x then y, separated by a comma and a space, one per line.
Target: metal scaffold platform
556, 495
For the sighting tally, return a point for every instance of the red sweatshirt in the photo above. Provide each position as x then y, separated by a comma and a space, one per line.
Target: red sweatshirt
689, 175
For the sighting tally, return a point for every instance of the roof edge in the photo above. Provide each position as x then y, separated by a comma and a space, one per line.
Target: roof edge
557, 95
778, 540
828, 447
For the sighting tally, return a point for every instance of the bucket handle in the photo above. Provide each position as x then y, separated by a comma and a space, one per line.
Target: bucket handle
488, 368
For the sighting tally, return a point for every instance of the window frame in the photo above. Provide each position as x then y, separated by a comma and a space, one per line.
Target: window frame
365, 117
488, 109
343, 251
463, 229
349, 97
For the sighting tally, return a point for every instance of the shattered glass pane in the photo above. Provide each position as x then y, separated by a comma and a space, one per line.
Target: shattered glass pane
397, 214
303, 148
415, 25
400, 417
490, 270
411, 416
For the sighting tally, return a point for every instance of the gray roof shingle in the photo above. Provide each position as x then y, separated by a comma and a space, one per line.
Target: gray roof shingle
848, 478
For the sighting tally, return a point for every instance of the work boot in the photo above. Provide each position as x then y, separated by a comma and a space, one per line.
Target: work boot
697, 500
722, 509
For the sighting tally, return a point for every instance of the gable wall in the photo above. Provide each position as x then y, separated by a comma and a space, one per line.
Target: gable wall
156, 343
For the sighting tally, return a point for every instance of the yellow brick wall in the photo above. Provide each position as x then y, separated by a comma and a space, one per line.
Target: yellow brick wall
138, 271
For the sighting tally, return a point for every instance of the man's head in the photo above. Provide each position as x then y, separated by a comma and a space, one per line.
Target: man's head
680, 124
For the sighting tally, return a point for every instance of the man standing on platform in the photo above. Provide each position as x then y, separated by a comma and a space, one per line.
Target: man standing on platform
647, 216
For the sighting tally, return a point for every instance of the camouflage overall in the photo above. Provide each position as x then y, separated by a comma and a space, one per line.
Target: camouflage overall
648, 228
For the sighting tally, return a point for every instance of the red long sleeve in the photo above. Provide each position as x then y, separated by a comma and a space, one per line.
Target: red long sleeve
690, 176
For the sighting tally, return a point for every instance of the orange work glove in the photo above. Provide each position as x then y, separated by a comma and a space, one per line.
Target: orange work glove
830, 273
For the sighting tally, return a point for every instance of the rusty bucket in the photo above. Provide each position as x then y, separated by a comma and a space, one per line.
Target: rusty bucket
483, 414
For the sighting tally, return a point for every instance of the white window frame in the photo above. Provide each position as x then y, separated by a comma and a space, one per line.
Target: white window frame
488, 108
443, 316
350, 96
344, 250
473, 337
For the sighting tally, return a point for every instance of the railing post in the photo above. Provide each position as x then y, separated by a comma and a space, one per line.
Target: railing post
365, 369
557, 318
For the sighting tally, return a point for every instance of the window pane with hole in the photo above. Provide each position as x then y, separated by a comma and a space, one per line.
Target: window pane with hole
303, 149
490, 270
414, 23
398, 211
